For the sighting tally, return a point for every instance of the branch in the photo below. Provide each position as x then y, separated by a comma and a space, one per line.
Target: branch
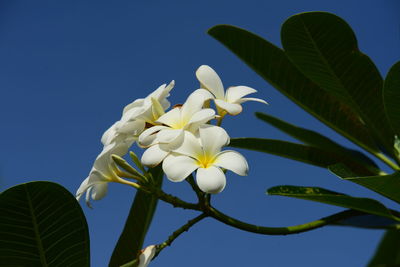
178, 232
212, 212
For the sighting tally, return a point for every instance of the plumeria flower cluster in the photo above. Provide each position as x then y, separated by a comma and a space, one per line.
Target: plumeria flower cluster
183, 139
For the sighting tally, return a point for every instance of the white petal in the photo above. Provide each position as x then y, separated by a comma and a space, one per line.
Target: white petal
205, 93
87, 198
168, 136
103, 160
190, 146
148, 137
210, 80
242, 100
99, 190
128, 141
236, 92
94, 185
82, 188
109, 134
211, 180
231, 108
137, 103
146, 256
199, 118
157, 108
233, 161
135, 113
172, 118
213, 138
178, 167
162, 92
193, 104
147, 113
134, 127
153, 156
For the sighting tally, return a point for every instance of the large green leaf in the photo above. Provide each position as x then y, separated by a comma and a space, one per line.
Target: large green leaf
136, 226
388, 251
299, 152
391, 96
42, 224
386, 185
324, 48
271, 63
315, 139
317, 194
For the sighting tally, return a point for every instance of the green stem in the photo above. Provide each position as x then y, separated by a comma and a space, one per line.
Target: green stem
212, 212
199, 193
178, 232
174, 201
205, 206
386, 160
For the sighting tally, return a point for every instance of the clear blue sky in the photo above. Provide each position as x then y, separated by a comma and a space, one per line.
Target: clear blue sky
67, 68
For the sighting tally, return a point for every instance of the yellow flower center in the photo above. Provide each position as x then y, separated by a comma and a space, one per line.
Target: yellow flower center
205, 160
181, 122
178, 125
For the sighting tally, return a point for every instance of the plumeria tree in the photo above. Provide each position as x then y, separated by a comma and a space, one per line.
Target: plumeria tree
321, 70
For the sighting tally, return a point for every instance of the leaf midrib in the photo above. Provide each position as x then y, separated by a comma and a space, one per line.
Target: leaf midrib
340, 83
322, 57
36, 229
325, 121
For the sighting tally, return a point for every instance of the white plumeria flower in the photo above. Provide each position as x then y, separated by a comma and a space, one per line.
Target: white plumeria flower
204, 155
161, 139
119, 137
229, 101
103, 171
136, 114
146, 256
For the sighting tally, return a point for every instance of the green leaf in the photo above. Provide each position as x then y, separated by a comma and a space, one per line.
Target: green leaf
271, 63
391, 96
325, 50
303, 153
42, 224
386, 185
137, 224
315, 139
388, 251
369, 221
317, 194
133, 263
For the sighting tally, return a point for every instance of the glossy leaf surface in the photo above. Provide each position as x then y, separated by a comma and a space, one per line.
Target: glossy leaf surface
137, 224
386, 185
315, 139
324, 48
42, 224
299, 152
388, 251
333, 198
391, 94
271, 63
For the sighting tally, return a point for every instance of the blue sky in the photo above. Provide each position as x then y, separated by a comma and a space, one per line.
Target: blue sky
67, 68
